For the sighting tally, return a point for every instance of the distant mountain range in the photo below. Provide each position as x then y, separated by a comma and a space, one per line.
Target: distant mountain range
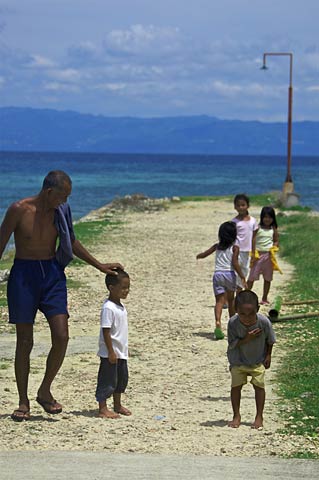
28, 129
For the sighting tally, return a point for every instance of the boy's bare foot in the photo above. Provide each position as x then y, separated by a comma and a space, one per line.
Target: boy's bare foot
235, 422
258, 423
106, 413
123, 411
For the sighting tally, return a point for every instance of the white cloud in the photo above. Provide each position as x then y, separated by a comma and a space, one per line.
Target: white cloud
61, 87
41, 62
310, 61
66, 75
313, 88
226, 88
140, 39
112, 87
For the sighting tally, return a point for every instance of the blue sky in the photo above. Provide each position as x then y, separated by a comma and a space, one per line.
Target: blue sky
160, 58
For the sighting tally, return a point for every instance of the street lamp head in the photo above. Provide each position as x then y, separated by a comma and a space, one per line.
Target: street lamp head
264, 67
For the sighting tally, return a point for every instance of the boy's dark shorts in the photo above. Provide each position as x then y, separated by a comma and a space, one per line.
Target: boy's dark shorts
112, 378
36, 285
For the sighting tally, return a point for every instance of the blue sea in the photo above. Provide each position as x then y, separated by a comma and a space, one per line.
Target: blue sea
98, 178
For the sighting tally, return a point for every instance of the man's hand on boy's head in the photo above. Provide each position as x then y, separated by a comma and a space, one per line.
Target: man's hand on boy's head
110, 268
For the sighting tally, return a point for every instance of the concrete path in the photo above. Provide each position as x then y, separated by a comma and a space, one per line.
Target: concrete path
61, 465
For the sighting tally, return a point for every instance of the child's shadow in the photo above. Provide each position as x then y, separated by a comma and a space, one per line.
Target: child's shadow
221, 423
214, 423
208, 335
84, 413
209, 398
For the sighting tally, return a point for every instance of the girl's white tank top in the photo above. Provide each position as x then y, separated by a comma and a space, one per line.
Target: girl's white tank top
224, 259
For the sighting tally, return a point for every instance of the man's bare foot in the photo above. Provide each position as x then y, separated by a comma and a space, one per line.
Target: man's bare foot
106, 413
258, 423
235, 422
123, 411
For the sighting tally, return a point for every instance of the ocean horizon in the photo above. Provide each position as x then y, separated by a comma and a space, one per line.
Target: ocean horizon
99, 178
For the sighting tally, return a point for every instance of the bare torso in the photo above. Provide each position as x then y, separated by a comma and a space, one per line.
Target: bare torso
34, 232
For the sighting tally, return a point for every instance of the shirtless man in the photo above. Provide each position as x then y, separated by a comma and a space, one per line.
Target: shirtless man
37, 280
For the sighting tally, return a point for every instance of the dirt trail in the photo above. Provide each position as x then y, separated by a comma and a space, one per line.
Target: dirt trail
179, 379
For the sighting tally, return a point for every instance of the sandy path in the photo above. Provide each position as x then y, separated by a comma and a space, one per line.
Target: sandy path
179, 380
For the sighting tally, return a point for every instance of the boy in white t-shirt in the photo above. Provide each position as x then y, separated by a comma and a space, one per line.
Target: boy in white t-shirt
113, 346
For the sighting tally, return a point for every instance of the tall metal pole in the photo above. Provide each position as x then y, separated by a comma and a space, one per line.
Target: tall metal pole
288, 187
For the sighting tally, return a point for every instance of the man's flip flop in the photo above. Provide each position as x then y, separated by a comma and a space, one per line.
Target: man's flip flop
19, 415
52, 407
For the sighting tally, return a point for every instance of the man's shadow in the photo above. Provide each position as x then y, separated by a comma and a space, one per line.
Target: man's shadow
33, 418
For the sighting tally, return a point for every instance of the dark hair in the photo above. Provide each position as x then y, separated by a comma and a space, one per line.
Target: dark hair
227, 234
246, 296
56, 179
241, 196
115, 279
268, 211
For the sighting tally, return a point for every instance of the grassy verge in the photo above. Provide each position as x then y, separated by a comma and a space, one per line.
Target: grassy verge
89, 233
270, 198
206, 198
299, 373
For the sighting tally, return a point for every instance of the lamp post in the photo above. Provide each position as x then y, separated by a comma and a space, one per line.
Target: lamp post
288, 185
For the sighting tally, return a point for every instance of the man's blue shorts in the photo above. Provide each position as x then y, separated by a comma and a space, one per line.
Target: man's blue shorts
36, 285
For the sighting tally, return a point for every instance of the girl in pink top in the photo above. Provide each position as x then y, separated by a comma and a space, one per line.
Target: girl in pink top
246, 231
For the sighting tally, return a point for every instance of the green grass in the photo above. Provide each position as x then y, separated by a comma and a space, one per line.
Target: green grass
299, 235
205, 198
73, 284
306, 455
5, 264
86, 231
3, 299
89, 232
298, 376
270, 198
297, 208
